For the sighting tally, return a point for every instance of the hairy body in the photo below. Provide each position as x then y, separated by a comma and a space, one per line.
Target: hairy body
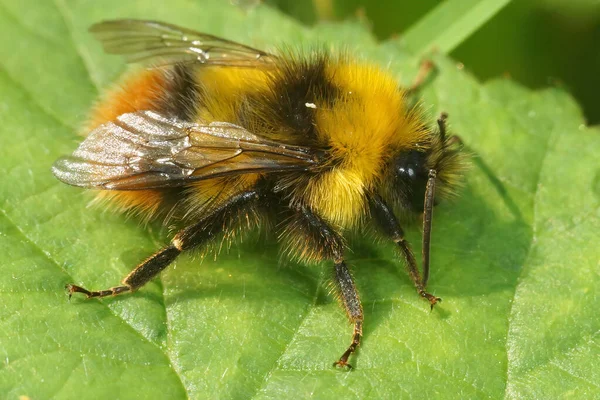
319, 144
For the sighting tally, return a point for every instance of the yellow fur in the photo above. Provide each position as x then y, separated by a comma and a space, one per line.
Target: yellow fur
326, 140
364, 130
221, 88
367, 125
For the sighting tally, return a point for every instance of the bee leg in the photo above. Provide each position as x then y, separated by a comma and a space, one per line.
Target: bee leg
442, 128
448, 141
190, 237
316, 240
426, 69
388, 223
349, 297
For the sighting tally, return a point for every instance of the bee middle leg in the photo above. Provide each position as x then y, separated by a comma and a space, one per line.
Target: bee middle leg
313, 239
188, 238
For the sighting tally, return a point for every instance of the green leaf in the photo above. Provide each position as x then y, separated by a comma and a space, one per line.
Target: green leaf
515, 257
449, 24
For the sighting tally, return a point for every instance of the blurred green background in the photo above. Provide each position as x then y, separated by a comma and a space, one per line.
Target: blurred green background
536, 42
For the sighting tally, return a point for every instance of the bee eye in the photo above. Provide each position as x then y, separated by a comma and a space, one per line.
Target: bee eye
411, 178
411, 165
408, 171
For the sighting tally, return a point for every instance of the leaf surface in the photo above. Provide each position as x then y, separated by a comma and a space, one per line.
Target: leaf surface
515, 258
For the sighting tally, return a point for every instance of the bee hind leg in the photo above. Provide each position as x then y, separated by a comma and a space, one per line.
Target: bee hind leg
96, 293
188, 238
137, 278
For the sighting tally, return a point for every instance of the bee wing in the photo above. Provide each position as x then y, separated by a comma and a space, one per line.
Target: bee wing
140, 40
144, 150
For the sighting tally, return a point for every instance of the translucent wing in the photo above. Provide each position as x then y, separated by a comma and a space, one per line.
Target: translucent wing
140, 40
145, 150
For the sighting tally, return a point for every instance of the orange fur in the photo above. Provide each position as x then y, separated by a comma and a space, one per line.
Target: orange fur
330, 139
143, 202
209, 193
140, 92
367, 125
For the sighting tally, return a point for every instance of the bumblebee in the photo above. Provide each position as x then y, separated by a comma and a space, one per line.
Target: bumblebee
219, 136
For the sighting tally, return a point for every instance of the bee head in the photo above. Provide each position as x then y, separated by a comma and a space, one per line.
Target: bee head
440, 157
410, 174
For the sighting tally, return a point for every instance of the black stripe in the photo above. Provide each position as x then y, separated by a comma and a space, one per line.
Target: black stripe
283, 108
183, 93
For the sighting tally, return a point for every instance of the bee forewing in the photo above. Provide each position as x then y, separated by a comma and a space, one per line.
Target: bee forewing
145, 150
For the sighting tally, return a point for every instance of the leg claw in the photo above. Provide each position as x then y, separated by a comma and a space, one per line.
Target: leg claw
76, 289
433, 300
342, 364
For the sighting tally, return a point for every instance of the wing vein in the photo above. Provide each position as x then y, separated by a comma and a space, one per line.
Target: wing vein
144, 150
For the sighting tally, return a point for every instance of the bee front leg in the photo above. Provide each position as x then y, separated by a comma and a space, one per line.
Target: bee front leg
313, 239
388, 223
188, 238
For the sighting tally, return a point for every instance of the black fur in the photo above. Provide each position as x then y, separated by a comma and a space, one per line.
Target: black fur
183, 95
283, 109
304, 229
301, 83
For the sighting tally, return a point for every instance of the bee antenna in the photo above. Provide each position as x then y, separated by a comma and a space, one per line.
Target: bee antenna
427, 218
